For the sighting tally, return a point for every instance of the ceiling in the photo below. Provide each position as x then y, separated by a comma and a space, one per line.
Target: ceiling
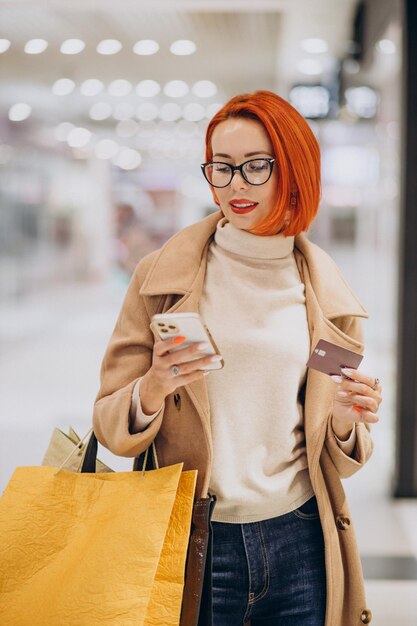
241, 46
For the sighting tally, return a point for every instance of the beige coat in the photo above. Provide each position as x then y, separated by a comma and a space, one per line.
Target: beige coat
171, 279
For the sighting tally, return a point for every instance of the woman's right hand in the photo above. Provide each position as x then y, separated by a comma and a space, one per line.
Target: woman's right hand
159, 375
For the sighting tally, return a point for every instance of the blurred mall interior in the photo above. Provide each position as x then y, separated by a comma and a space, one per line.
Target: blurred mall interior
103, 111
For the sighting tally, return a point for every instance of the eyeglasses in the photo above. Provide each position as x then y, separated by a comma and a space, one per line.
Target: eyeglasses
254, 171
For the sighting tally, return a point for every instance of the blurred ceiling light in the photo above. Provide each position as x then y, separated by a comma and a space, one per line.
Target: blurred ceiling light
106, 149
176, 88
123, 111
185, 128
61, 131
170, 111
147, 111
148, 88
63, 87
310, 100
109, 46
100, 111
36, 46
127, 128
19, 112
72, 46
146, 47
314, 45
310, 66
127, 159
386, 46
193, 112
362, 101
78, 137
119, 87
4, 45
212, 109
91, 87
204, 89
183, 47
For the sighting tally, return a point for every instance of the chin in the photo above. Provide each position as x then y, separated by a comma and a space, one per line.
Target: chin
246, 222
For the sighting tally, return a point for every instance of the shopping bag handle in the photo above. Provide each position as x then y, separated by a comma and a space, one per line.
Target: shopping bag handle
90, 457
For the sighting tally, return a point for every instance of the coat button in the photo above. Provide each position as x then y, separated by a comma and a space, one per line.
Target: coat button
342, 522
177, 401
366, 616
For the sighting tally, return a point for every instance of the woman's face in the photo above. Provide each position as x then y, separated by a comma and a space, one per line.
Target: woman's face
234, 141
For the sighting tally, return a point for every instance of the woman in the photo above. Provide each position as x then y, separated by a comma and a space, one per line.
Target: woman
270, 438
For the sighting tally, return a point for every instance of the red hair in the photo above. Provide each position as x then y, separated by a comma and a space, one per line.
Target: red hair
297, 156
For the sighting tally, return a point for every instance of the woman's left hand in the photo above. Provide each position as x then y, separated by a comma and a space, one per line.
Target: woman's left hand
360, 401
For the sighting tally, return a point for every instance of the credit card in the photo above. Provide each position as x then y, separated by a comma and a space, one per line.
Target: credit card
329, 358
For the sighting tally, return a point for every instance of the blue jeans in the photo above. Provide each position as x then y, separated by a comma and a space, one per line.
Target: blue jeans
271, 572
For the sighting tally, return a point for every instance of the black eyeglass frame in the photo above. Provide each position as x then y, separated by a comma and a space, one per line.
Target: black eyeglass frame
240, 168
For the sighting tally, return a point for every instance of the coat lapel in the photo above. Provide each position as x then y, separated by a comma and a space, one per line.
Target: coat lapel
328, 296
180, 267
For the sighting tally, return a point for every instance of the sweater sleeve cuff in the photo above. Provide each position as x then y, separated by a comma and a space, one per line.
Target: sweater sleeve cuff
139, 419
347, 445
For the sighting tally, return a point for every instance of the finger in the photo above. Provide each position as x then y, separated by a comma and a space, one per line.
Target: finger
357, 388
185, 355
163, 346
362, 415
356, 375
368, 403
191, 366
185, 379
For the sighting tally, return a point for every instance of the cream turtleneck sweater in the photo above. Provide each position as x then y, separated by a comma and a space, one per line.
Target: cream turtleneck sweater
253, 302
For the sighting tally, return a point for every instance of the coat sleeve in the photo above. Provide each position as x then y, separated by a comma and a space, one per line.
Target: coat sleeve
347, 465
127, 358
364, 445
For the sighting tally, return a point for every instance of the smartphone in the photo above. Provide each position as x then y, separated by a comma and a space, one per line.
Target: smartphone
329, 358
190, 325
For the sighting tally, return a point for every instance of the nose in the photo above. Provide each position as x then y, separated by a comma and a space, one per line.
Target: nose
238, 182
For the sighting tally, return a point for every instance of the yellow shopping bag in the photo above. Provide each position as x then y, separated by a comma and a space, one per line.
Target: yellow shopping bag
83, 549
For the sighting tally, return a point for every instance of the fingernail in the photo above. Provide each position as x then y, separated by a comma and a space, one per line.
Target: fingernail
357, 408
337, 379
347, 371
341, 393
203, 346
207, 373
179, 339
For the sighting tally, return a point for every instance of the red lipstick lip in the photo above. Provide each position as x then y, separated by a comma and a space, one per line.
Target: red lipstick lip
242, 201
246, 210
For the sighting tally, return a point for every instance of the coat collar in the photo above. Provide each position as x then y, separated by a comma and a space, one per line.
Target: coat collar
175, 269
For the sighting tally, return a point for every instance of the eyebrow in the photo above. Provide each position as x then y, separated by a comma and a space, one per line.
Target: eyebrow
227, 156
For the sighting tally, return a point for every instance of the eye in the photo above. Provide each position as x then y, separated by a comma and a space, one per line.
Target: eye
221, 168
258, 166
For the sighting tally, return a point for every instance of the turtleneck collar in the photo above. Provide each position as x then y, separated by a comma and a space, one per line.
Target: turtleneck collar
247, 244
